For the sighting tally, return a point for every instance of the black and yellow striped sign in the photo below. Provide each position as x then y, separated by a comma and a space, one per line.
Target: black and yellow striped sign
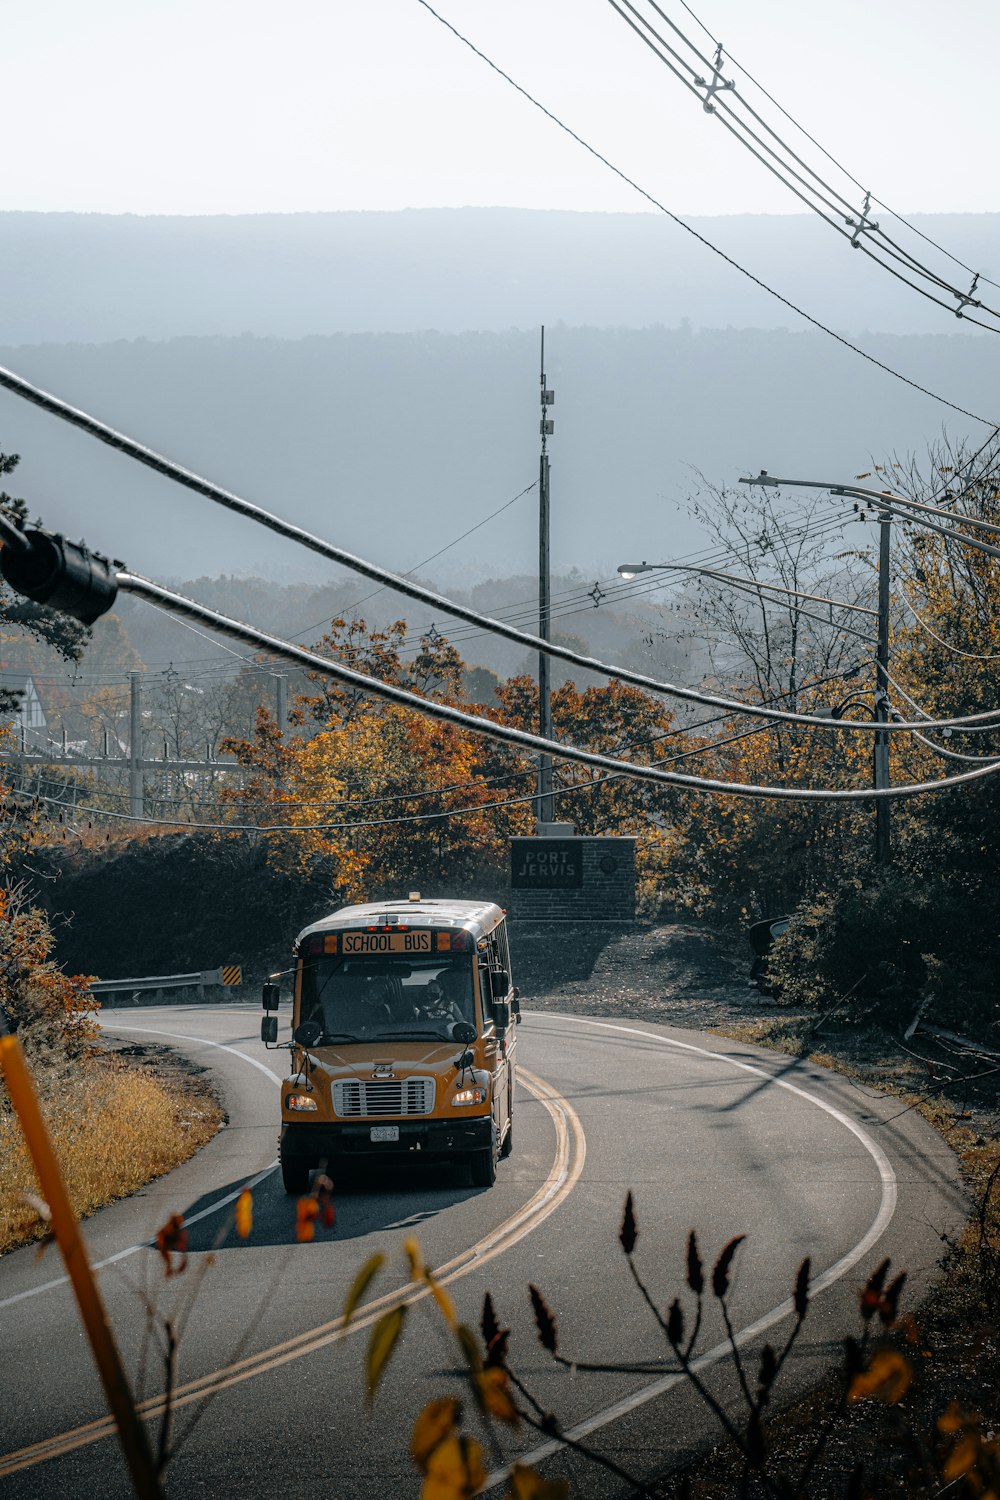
232, 974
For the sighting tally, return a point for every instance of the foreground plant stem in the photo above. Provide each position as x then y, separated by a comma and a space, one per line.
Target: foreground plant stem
131, 1432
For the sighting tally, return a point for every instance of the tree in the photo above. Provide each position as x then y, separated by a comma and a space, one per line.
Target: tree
66, 635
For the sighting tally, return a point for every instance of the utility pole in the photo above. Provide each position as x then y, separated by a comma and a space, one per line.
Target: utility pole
281, 682
546, 801
135, 786
880, 751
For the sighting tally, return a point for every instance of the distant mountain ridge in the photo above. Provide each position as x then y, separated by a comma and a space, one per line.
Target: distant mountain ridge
94, 278
393, 445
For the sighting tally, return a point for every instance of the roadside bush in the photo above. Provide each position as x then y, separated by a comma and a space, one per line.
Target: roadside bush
861, 946
48, 1009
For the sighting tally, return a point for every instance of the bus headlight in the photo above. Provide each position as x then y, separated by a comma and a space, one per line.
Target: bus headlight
469, 1096
300, 1101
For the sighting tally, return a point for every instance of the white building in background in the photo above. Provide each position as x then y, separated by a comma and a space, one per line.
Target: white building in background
27, 717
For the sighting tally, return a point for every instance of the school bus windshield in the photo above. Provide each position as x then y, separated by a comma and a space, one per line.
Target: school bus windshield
367, 999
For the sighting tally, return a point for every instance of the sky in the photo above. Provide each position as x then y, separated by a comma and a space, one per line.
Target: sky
243, 106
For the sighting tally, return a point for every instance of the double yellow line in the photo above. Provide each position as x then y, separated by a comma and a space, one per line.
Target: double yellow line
567, 1166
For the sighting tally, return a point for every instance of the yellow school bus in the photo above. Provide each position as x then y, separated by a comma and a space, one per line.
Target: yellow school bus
403, 1047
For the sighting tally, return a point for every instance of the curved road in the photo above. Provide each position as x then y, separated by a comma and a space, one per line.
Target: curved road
708, 1133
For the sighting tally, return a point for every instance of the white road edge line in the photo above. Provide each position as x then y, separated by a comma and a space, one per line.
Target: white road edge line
819, 1283
203, 1213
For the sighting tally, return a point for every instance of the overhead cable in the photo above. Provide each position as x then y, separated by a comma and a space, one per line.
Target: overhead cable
879, 202
702, 239
413, 590
781, 160
929, 721
507, 734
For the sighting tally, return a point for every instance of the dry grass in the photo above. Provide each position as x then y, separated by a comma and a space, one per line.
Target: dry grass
114, 1127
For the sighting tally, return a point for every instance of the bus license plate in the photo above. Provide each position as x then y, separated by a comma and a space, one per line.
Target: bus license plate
385, 1133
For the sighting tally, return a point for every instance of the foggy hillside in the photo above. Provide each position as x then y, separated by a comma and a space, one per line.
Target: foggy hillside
395, 444
96, 277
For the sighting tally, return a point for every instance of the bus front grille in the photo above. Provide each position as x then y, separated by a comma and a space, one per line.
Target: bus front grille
356, 1098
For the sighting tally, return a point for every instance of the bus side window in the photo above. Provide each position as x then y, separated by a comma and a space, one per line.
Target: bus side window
503, 948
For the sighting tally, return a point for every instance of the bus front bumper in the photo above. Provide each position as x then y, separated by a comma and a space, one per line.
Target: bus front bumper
430, 1140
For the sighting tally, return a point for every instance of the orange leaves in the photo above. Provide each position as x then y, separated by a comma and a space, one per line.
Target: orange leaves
972, 1456
33, 988
317, 1205
525, 1484
243, 1217
494, 1392
454, 1470
436, 1422
451, 1463
306, 1213
171, 1240
886, 1377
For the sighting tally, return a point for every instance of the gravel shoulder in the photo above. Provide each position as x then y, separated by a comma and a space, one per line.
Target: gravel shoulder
677, 973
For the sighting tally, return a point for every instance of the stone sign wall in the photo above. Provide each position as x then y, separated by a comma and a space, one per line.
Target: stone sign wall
572, 879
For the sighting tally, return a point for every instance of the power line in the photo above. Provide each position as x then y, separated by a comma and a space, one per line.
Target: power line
830, 157
356, 825
281, 527
930, 722
507, 734
433, 557
702, 239
863, 233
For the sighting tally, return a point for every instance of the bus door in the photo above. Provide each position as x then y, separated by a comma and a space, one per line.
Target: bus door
492, 952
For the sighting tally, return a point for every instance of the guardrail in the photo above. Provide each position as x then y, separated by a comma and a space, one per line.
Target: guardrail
226, 975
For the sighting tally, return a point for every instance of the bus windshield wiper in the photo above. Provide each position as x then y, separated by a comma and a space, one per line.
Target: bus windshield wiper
408, 1036
339, 1036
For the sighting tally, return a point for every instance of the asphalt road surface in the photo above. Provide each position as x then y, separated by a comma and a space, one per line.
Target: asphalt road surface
708, 1133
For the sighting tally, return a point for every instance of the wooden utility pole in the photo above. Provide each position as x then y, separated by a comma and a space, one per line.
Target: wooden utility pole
546, 801
883, 848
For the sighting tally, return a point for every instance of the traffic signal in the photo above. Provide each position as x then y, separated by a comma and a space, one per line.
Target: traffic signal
66, 576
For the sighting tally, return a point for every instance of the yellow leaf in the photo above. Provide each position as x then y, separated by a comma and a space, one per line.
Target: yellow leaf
244, 1214
415, 1256
455, 1470
526, 1484
953, 1418
360, 1284
443, 1301
436, 1422
887, 1376
495, 1391
962, 1458
380, 1346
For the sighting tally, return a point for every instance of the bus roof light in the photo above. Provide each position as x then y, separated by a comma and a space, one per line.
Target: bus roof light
414, 895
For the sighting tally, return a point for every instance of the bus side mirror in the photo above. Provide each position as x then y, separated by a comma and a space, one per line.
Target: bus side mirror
269, 1030
500, 982
501, 1015
270, 996
307, 1034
